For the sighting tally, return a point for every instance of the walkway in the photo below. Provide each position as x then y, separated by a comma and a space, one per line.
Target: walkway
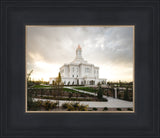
111, 103
82, 91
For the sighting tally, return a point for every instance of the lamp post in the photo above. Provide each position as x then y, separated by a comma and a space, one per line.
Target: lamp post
115, 91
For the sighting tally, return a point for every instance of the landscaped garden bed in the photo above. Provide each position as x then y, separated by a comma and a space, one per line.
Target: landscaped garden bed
64, 94
40, 105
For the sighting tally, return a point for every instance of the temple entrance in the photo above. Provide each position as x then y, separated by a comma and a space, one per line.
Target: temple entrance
92, 82
81, 82
77, 81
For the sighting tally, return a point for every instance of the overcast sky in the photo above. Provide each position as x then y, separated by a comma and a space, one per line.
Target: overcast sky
110, 48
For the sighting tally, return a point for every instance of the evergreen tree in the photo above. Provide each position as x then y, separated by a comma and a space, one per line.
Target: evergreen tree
59, 85
100, 91
58, 79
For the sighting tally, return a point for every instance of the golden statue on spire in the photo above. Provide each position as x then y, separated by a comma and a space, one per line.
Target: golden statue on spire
79, 46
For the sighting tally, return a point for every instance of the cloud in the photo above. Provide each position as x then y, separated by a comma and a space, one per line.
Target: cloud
108, 46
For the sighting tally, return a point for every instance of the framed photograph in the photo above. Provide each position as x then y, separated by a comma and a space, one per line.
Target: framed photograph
53, 85
80, 69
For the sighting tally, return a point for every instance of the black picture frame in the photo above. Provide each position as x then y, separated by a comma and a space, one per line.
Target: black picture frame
144, 14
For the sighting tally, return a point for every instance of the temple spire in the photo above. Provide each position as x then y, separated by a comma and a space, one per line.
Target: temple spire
79, 58
79, 47
79, 52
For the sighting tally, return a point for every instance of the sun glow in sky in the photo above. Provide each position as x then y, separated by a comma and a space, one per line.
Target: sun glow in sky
109, 48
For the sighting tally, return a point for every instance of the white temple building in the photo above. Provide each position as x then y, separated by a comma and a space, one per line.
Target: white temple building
79, 72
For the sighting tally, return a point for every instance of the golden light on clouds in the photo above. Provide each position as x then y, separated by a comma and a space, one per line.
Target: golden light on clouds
44, 70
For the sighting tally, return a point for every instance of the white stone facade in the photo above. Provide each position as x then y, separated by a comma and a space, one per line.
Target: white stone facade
79, 72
